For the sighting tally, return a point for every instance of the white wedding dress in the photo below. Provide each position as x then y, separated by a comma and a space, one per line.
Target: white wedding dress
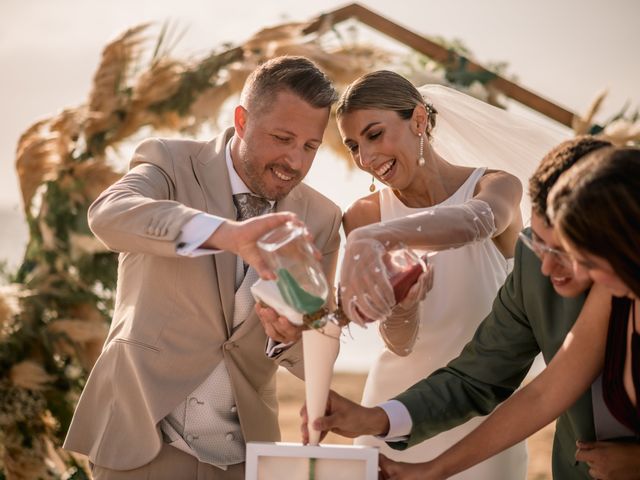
466, 281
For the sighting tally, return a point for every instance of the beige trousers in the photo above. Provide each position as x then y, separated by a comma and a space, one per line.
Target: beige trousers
172, 464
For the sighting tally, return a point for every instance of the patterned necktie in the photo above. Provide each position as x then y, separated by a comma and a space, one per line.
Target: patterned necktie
249, 206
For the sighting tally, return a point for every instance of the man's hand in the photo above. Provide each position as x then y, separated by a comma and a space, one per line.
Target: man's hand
277, 327
610, 460
346, 418
391, 470
240, 238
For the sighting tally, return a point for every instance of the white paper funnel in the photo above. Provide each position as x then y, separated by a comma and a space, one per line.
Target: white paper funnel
320, 353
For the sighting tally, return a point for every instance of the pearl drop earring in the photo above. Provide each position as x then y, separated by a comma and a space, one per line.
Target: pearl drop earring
421, 160
372, 187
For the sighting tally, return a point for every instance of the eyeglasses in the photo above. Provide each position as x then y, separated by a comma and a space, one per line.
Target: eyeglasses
541, 249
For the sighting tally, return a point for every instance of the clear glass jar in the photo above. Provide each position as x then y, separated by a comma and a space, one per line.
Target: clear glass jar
300, 278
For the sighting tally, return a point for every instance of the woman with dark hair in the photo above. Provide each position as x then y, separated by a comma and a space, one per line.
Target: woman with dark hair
430, 147
597, 213
595, 208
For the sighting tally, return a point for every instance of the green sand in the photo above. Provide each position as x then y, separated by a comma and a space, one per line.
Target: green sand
296, 296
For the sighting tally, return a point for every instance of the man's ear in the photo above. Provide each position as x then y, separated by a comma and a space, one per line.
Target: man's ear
240, 120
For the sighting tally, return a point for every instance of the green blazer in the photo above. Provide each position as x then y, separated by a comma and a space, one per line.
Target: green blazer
527, 317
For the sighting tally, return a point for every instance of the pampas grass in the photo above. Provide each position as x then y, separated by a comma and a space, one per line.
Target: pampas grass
30, 375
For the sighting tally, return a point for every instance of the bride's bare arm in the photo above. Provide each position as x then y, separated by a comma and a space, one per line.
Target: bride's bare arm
503, 192
569, 374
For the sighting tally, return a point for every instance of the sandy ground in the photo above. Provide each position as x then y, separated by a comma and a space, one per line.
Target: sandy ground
291, 397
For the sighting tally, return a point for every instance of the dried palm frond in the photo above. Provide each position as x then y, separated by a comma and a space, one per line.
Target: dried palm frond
94, 176
33, 132
29, 375
9, 302
169, 121
207, 106
87, 312
22, 463
582, 125
622, 132
37, 162
89, 349
68, 125
111, 78
88, 335
157, 83
135, 119
332, 63
348, 63
261, 41
237, 74
79, 330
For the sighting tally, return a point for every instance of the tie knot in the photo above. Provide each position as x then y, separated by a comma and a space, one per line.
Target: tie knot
249, 205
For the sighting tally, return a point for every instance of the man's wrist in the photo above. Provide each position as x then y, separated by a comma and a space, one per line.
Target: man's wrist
380, 422
219, 240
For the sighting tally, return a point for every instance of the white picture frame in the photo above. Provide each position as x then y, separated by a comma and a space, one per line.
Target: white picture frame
293, 461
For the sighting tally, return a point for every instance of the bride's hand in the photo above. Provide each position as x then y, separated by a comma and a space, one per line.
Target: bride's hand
365, 292
419, 290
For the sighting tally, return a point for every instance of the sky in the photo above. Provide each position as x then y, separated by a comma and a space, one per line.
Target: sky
565, 50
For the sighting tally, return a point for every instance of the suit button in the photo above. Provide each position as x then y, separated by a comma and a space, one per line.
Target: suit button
229, 437
229, 346
234, 409
189, 438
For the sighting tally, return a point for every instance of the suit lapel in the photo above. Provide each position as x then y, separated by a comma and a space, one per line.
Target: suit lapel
211, 172
294, 202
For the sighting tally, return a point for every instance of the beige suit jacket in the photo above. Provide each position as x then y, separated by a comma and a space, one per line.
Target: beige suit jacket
173, 314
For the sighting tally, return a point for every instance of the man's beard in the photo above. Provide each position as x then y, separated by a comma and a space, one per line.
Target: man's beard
257, 185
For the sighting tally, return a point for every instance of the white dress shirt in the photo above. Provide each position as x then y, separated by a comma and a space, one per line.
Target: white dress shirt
400, 423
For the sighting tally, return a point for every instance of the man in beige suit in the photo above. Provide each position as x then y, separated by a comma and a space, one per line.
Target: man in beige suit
186, 376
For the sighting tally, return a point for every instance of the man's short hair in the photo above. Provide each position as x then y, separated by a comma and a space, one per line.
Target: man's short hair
298, 75
554, 163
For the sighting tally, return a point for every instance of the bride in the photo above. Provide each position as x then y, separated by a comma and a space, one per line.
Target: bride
419, 144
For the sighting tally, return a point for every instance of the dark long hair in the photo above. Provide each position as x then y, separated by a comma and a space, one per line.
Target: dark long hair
596, 206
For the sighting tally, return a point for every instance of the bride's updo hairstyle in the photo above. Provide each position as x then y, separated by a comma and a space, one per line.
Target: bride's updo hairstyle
384, 90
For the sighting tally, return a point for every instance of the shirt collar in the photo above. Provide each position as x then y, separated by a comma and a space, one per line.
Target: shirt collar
237, 185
